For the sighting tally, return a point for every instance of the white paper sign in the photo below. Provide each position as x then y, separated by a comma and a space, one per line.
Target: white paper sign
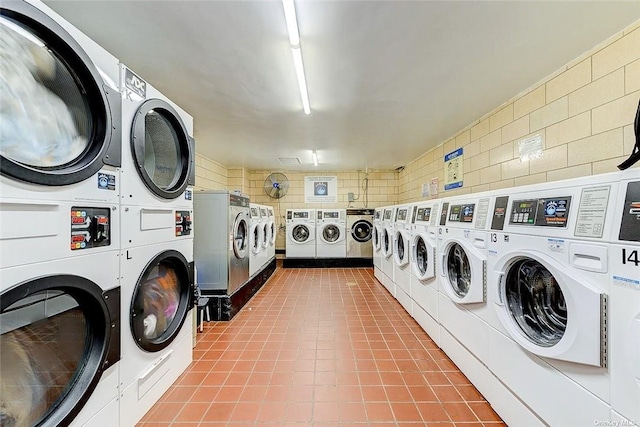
321, 189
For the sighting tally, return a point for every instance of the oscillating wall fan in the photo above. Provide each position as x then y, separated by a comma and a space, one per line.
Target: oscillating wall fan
276, 185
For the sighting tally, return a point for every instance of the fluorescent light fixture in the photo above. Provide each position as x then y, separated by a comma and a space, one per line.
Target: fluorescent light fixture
314, 154
296, 51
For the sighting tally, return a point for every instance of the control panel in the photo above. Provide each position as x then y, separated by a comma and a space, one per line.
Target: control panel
552, 212
461, 213
183, 223
422, 215
90, 227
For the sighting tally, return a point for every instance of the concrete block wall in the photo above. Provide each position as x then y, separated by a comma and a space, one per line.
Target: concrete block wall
584, 113
210, 175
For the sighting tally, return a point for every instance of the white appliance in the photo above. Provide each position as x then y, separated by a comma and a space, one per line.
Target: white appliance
301, 233
59, 227
549, 280
386, 242
158, 149
462, 259
331, 230
401, 253
376, 238
359, 233
423, 252
273, 234
624, 302
264, 236
221, 244
255, 239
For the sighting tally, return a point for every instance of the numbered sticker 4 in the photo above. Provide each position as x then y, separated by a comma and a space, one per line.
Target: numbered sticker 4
630, 256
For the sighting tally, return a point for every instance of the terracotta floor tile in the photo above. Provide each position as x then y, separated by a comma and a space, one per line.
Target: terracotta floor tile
459, 412
325, 411
272, 412
378, 411
447, 393
484, 411
219, 411
349, 393
192, 412
245, 411
406, 412
299, 412
352, 412
164, 412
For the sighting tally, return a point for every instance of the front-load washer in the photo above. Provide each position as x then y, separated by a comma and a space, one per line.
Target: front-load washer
60, 132
158, 149
401, 252
301, 233
60, 342
255, 239
386, 241
221, 243
157, 300
359, 233
331, 230
624, 302
376, 238
273, 234
549, 276
263, 258
423, 288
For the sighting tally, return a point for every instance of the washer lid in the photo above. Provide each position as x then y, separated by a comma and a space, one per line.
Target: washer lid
60, 122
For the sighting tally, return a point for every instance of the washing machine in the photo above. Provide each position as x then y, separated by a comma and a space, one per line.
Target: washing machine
264, 235
255, 239
386, 243
423, 288
376, 238
549, 279
359, 233
301, 233
221, 245
273, 234
158, 149
624, 302
331, 231
401, 253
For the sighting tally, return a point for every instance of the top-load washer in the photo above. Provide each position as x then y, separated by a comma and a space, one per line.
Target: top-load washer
359, 233
60, 108
331, 230
376, 239
158, 148
255, 239
386, 242
401, 252
301, 233
549, 281
423, 252
624, 302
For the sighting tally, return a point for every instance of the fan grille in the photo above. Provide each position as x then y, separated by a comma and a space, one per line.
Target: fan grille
276, 185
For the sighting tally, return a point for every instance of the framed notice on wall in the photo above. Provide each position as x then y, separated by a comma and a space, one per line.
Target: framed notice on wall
453, 170
320, 189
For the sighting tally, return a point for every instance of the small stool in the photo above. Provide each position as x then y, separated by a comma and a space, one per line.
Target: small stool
203, 309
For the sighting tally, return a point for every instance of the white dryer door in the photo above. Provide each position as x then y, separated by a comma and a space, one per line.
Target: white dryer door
255, 236
464, 272
331, 233
387, 242
401, 248
301, 234
423, 257
550, 309
377, 238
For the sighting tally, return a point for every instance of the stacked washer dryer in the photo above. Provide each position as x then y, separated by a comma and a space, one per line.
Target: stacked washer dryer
255, 239
157, 244
401, 251
301, 233
386, 243
59, 223
423, 251
331, 230
624, 302
549, 281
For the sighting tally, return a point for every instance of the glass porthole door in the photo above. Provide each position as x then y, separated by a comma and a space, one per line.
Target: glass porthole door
240, 237
464, 271
331, 233
300, 233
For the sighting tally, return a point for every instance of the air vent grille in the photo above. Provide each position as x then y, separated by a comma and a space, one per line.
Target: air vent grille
289, 160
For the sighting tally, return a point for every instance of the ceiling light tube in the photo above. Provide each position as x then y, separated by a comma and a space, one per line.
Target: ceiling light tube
302, 81
292, 22
315, 158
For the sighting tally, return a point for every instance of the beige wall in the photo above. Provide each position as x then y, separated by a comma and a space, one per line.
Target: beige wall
210, 175
584, 112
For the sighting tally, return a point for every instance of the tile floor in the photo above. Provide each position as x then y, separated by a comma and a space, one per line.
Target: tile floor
321, 347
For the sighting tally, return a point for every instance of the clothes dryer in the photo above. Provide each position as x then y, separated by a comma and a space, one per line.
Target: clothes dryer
549, 276
386, 261
221, 244
423, 288
255, 239
401, 253
301, 233
264, 236
331, 230
158, 149
376, 239
359, 233
624, 302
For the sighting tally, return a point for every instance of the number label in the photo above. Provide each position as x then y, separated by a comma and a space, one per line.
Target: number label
494, 237
630, 257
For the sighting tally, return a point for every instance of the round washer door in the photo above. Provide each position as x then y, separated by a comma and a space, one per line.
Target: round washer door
255, 239
264, 235
361, 231
56, 341
464, 271
60, 123
331, 234
241, 236
161, 299
423, 258
387, 243
300, 233
377, 239
272, 233
401, 248
161, 148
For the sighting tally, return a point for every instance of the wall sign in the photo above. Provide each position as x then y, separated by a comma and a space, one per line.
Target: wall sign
453, 170
321, 189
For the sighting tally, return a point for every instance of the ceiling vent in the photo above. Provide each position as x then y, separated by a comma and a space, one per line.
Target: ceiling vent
289, 161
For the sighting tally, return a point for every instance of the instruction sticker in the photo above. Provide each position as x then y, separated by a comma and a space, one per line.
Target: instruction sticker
555, 245
592, 212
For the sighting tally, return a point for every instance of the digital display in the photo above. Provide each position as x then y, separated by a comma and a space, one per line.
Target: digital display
552, 212
461, 213
401, 215
424, 214
331, 214
254, 212
387, 214
301, 215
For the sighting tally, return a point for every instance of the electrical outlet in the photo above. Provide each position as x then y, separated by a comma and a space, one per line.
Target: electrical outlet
351, 197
